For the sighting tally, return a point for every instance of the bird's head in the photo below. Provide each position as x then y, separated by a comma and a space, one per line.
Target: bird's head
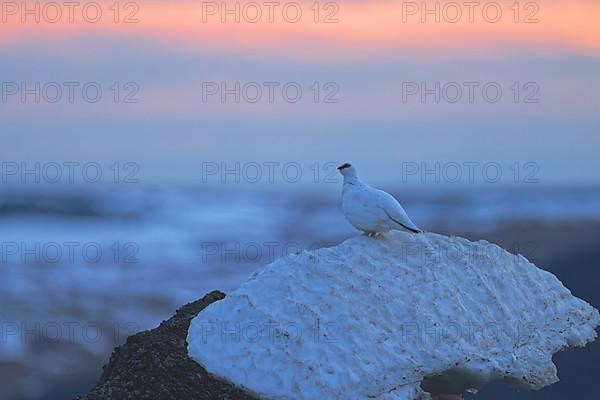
347, 170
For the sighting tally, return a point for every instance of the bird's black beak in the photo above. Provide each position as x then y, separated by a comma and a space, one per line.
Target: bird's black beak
341, 167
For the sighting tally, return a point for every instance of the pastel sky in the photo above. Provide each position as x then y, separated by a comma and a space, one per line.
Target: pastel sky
544, 56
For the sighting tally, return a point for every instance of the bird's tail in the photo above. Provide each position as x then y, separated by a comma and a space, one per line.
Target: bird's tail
413, 230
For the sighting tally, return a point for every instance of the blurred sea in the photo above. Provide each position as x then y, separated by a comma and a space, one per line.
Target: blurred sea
82, 268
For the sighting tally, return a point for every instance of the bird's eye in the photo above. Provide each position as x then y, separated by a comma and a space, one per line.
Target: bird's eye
344, 166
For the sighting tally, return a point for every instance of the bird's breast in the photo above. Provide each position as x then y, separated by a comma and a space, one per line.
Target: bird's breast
362, 212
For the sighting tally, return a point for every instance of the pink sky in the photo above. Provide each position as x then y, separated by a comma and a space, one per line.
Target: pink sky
364, 29
370, 52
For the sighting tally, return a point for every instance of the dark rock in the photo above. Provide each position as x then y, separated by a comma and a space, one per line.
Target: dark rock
154, 365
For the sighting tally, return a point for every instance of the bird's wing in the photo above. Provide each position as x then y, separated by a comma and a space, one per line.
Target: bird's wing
395, 212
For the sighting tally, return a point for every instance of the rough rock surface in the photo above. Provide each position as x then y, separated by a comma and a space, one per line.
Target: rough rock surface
154, 365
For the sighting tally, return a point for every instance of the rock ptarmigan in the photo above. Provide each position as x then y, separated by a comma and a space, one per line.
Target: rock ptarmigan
371, 210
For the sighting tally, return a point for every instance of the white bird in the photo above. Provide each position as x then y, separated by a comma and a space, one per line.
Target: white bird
371, 210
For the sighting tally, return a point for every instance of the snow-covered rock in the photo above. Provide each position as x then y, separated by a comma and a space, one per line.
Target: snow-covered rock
372, 318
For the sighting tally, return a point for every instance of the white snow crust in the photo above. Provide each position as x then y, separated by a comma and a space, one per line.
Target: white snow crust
372, 317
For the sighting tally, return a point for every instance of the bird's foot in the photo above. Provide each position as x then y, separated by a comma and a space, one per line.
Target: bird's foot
374, 235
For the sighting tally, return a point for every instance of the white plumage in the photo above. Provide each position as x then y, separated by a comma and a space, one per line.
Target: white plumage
371, 210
